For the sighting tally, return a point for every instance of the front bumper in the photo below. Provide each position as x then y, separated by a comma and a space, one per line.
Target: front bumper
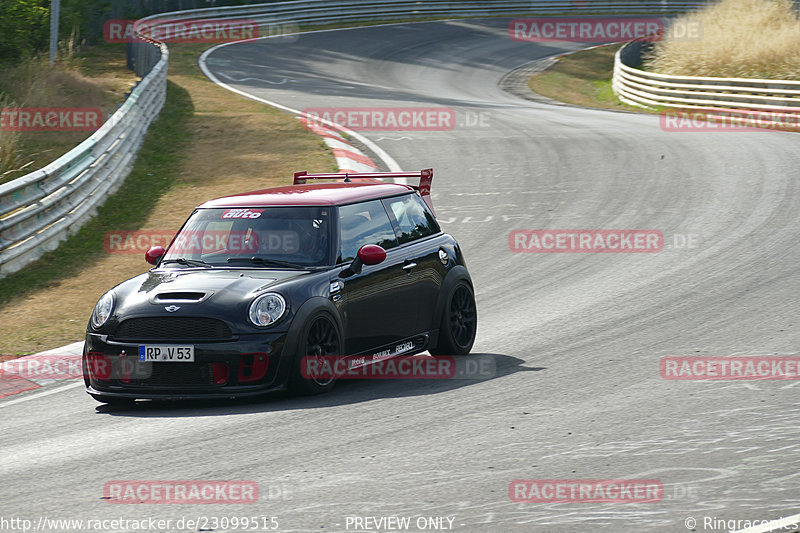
225, 369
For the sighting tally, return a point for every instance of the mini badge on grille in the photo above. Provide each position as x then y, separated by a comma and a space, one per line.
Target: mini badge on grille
172, 308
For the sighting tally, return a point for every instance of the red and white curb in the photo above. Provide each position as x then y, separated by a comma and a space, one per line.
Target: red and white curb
348, 157
20, 375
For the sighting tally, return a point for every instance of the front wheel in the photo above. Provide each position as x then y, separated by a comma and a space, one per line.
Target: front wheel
320, 340
459, 322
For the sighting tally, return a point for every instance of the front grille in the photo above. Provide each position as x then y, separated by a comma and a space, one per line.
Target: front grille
177, 374
189, 329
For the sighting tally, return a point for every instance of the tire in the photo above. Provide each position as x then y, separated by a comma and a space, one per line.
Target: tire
459, 322
319, 336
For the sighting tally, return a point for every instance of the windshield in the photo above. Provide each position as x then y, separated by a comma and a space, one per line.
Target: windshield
278, 237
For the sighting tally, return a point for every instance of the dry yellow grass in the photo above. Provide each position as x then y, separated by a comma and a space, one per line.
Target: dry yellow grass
96, 79
10, 150
739, 38
236, 145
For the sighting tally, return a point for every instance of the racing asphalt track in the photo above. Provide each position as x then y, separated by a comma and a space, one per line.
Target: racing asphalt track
577, 337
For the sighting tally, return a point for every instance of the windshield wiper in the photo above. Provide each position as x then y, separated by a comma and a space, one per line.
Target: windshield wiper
268, 262
187, 262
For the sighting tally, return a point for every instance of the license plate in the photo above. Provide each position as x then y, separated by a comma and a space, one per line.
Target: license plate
166, 353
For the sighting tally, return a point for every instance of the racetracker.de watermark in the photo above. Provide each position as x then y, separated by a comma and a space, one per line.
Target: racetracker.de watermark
142, 523
586, 490
180, 492
195, 31
41, 367
585, 241
20, 374
705, 120
385, 366
383, 118
135, 242
203, 242
70, 366
50, 118
584, 30
730, 368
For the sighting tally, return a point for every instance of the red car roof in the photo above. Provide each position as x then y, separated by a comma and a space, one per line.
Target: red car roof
311, 194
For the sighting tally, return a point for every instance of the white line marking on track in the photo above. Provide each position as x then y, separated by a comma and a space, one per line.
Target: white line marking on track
36, 395
75, 348
284, 80
404, 138
390, 163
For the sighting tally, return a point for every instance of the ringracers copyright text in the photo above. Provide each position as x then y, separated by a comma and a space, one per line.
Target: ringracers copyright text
714, 523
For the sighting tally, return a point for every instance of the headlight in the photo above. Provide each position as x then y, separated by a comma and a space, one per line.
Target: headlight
267, 308
102, 310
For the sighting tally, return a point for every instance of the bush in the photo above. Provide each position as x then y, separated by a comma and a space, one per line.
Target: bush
25, 24
24, 27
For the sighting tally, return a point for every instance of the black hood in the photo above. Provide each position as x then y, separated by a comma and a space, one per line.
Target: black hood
213, 292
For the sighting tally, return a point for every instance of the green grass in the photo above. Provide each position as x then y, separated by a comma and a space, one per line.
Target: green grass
126, 209
582, 78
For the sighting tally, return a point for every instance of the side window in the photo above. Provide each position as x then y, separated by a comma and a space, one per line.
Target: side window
364, 223
414, 220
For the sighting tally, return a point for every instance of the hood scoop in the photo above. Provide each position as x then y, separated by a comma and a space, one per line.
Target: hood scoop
181, 297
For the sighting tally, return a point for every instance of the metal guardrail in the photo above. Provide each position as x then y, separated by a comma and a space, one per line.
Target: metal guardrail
322, 11
653, 90
42, 208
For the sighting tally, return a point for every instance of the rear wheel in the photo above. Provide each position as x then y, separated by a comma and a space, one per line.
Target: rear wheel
320, 340
458, 323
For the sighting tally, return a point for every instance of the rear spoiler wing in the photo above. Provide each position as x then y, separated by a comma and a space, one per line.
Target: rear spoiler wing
425, 178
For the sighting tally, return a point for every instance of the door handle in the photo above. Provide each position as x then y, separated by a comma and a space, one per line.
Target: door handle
409, 266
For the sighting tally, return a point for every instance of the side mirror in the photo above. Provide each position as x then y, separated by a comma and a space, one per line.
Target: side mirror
154, 254
369, 254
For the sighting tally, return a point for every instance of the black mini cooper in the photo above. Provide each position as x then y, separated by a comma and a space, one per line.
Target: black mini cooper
253, 283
